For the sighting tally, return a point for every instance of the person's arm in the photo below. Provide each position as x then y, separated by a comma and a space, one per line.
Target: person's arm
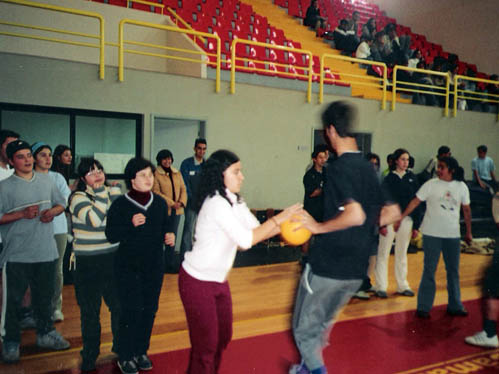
183, 192
92, 213
29, 212
467, 221
478, 179
48, 215
272, 226
352, 215
493, 176
184, 170
389, 214
410, 208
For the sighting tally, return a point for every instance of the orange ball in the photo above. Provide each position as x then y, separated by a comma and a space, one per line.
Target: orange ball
292, 237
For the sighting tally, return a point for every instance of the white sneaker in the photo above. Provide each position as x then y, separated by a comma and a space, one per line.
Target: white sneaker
482, 340
57, 316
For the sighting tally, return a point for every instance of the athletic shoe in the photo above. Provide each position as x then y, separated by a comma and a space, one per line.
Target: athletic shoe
88, 366
27, 323
299, 369
371, 290
457, 313
10, 352
52, 340
57, 316
143, 362
407, 292
381, 294
482, 340
128, 367
422, 314
363, 295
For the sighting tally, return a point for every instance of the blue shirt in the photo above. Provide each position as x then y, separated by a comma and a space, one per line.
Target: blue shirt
483, 166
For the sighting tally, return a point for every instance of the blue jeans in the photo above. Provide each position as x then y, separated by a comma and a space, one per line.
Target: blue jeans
450, 248
318, 301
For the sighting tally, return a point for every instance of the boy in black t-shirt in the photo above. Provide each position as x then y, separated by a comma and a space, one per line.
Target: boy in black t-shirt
339, 256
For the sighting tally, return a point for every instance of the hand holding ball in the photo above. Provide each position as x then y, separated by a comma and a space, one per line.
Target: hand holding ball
292, 236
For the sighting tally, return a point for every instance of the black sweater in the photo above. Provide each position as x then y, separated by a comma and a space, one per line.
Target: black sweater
143, 243
402, 191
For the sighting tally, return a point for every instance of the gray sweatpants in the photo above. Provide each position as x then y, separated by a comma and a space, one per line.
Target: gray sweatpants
318, 301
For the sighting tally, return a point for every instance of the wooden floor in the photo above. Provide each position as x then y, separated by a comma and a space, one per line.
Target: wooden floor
263, 298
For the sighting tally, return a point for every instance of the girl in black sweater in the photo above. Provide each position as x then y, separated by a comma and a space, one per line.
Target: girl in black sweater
401, 186
139, 221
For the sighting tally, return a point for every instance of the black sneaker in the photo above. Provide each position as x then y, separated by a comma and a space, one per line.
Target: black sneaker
143, 362
422, 314
457, 313
88, 366
128, 367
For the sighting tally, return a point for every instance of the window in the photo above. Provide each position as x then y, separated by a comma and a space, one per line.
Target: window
112, 138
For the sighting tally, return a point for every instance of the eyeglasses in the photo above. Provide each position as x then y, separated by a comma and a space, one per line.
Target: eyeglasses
94, 172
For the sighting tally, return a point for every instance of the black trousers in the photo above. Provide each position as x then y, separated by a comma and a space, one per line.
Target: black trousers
18, 276
95, 280
139, 286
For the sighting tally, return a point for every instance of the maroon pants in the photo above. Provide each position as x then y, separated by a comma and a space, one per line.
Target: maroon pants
208, 308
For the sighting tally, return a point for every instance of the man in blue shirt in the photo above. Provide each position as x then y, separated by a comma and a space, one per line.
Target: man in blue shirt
191, 169
483, 169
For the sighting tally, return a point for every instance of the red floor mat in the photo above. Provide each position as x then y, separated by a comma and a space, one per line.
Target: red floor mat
396, 343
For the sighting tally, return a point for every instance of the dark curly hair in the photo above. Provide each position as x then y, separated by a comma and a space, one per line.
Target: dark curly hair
212, 176
58, 166
86, 164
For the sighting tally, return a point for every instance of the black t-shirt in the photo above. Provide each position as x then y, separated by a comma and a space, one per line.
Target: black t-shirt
311, 181
345, 254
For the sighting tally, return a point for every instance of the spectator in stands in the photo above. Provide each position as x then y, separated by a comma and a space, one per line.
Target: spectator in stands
396, 48
427, 98
401, 185
378, 50
29, 201
369, 29
364, 49
353, 25
63, 158
439, 81
344, 39
445, 196
169, 184
95, 255
139, 221
42, 154
415, 59
313, 17
190, 169
483, 169
224, 224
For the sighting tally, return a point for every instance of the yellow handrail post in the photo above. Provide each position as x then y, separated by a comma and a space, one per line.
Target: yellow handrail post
310, 71
447, 89
394, 87
102, 43
219, 61
454, 110
321, 81
385, 82
120, 50
233, 67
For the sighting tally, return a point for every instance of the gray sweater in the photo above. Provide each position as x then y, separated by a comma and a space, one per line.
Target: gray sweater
28, 240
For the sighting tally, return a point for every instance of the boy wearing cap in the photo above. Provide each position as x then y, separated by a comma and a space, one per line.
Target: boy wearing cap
28, 203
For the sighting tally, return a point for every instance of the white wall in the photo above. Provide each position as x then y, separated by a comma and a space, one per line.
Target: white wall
269, 128
467, 28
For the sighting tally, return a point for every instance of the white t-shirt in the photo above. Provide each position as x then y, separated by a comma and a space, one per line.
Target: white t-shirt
220, 229
443, 206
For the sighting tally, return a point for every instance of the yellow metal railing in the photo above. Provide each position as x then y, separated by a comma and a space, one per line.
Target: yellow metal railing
122, 50
472, 95
435, 90
365, 80
180, 20
101, 42
235, 58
